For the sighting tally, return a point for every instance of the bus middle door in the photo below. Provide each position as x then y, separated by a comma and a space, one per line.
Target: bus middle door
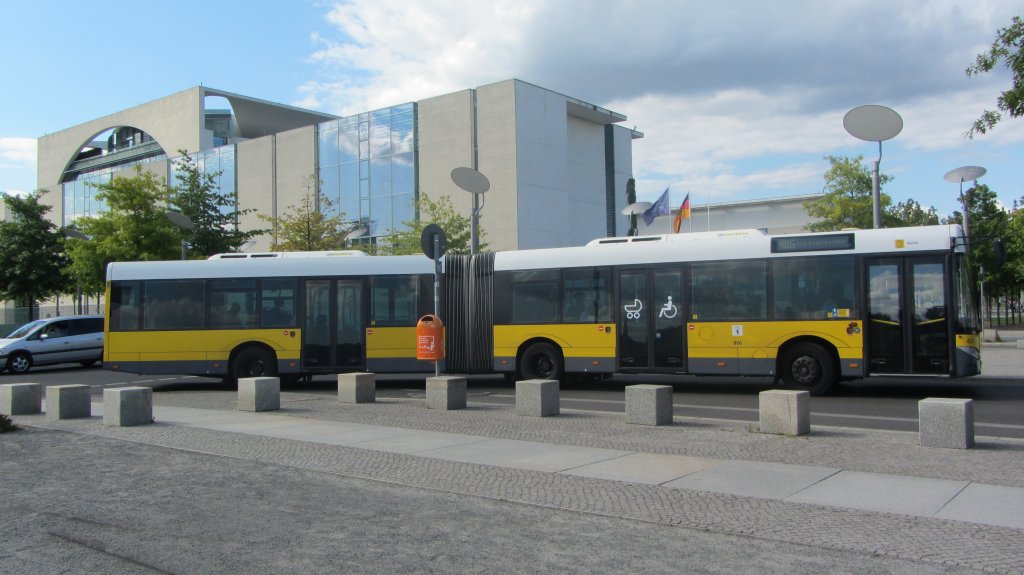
651, 334
334, 325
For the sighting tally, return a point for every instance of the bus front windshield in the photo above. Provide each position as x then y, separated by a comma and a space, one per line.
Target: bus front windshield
968, 321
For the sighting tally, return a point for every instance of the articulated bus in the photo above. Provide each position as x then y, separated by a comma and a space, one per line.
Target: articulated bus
808, 309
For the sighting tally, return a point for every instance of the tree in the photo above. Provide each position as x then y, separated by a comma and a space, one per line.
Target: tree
441, 212
848, 199
307, 227
33, 263
135, 228
214, 215
909, 213
988, 222
1006, 48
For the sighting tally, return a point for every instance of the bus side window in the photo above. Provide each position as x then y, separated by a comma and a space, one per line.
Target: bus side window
124, 306
278, 303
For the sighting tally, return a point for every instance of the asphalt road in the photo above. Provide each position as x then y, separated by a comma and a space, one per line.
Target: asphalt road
874, 403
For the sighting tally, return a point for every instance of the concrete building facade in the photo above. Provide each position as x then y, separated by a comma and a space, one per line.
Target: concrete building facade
558, 166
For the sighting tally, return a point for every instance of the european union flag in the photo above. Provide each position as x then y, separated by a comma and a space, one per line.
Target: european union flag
659, 208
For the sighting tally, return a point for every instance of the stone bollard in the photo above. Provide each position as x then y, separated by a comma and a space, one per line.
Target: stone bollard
946, 422
67, 402
649, 404
785, 412
357, 388
446, 392
21, 398
537, 397
259, 394
126, 406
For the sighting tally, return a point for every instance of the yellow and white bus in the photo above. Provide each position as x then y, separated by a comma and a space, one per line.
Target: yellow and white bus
809, 309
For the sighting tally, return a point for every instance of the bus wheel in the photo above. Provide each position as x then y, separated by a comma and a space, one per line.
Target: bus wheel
541, 361
254, 362
808, 366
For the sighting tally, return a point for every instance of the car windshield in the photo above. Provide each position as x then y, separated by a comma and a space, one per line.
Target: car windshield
25, 329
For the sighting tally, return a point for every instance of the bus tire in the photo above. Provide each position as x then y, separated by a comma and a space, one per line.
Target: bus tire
254, 361
808, 366
541, 360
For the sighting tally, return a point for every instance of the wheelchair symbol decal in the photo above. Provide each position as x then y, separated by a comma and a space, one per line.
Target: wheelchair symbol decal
669, 310
633, 309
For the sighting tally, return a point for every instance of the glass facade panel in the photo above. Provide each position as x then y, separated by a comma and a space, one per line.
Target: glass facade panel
402, 133
216, 162
348, 186
374, 181
380, 177
330, 187
403, 209
328, 144
348, 144
380, 210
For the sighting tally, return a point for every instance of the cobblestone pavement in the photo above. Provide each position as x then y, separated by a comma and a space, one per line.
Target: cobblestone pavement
927, 540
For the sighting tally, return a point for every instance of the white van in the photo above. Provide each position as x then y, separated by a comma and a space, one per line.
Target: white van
67, 339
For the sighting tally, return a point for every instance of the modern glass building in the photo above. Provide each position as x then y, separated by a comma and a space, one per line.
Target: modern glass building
367, 168
558, 166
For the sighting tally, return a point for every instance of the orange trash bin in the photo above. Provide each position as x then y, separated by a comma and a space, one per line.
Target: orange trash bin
430, 338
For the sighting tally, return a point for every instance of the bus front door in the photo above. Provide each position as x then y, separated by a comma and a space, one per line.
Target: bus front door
333, 334
651, 334
908, 328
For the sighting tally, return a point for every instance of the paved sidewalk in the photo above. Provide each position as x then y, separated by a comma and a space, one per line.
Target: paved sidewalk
819, 485
992, 493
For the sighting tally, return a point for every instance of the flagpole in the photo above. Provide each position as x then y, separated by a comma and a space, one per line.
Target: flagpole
691, 219
709, 211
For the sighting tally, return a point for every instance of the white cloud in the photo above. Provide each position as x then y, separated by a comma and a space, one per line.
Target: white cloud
734, 98
17, 152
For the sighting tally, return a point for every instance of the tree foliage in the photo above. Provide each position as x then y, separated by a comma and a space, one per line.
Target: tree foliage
33, 263
988, 221
214, 215
1007, 48
1013, 269
441, 212
848, 196
909, 213
135, 228
309, 226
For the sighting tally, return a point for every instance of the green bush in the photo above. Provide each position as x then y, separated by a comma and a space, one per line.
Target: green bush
6, 424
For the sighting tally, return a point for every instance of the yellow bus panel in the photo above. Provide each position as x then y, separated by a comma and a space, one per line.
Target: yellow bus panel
576, 340
198, 345
762, 339
386, 342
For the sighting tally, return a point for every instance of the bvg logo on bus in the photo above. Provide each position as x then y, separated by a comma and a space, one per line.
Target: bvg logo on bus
430, 338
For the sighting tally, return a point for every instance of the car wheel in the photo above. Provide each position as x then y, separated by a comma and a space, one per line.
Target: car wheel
20, 362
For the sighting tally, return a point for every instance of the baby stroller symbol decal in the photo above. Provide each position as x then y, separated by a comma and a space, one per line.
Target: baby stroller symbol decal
633, 309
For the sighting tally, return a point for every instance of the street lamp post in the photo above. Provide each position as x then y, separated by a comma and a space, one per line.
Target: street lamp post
477, 184
73, 233
873, 123
959, 176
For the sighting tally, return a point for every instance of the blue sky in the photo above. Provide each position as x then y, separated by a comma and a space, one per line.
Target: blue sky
737, 100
